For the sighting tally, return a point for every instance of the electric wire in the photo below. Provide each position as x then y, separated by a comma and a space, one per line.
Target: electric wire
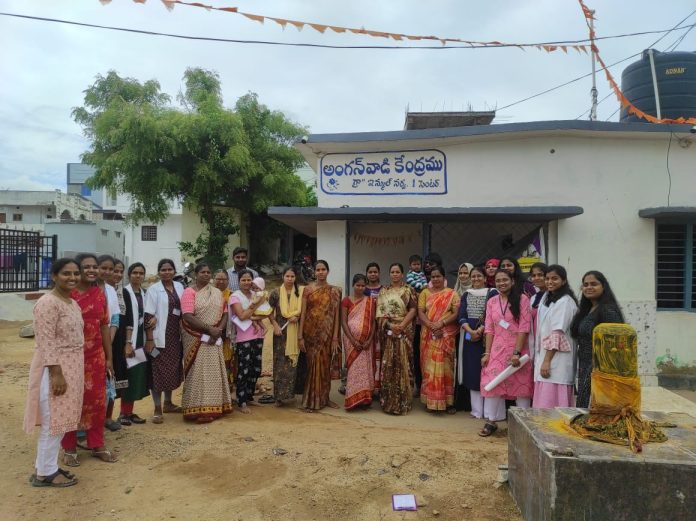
328, 46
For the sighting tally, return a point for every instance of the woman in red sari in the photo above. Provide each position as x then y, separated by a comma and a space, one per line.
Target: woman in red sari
97, 353
318, 337
358, 321
437, 309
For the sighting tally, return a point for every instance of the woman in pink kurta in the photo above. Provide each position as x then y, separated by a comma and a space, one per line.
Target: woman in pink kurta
56, 376
508, 321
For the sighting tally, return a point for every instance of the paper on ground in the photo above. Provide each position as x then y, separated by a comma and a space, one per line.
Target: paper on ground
404, 502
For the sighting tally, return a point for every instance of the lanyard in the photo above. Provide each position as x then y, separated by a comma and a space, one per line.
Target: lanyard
500, 303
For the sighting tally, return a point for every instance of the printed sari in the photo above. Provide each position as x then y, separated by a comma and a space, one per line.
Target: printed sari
360, 382
320, 314
437, 354
206, 387
393, 304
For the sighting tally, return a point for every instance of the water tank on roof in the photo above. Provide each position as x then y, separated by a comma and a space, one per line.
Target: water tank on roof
676, 84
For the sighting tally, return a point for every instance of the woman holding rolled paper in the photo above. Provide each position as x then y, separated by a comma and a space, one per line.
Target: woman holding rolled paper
508, 321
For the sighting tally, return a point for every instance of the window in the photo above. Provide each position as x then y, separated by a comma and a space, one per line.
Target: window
676, 269
148, 233
104, 232
16, 216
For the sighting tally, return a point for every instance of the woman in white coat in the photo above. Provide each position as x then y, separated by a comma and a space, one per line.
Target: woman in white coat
163, 343
554, 348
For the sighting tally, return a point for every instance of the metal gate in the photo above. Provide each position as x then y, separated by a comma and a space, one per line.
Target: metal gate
25, 260
474, 242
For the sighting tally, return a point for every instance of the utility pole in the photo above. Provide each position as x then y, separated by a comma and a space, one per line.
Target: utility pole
593, 92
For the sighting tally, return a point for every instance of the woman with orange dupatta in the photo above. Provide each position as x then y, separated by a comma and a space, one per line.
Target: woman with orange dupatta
358, 322
318, 337
206, 389
437, 309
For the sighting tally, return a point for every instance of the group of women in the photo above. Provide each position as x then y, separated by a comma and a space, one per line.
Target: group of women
98, 338
493, 318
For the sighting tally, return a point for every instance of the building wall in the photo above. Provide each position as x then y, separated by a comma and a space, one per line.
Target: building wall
103, 237
363, 248
150, 252
332, 249
192, 226
610, 176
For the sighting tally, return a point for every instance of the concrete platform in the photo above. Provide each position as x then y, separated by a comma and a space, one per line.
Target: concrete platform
555, 475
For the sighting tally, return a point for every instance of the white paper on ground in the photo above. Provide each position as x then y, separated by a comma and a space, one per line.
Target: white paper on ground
139, 358
404, 502
242, 324
505, 373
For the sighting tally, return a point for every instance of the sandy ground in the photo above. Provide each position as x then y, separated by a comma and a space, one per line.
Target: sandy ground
338, 465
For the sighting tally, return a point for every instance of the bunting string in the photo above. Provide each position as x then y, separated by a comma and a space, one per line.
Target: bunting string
374, 242
323, 28
623, 100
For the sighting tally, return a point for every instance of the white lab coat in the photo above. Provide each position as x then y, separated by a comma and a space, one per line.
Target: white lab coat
556, 317
157, 304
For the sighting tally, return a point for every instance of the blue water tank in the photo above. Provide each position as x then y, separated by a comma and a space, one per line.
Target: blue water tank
676, 83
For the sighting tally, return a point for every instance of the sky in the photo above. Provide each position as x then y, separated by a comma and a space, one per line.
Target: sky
45, 67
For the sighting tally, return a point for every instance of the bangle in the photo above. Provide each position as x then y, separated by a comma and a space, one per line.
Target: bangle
516, 353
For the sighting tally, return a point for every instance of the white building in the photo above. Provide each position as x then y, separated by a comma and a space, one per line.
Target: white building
31, 210
146, 242
620, 198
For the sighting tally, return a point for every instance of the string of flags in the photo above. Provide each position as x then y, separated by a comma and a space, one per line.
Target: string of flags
322, 28
372, 242
625, 103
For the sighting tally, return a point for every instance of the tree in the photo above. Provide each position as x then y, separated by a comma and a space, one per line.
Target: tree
200, 153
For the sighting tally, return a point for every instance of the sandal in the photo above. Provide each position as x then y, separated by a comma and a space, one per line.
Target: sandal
267, 399
48, 481
105, 455
112, 425
171, 408
157, 419
451, 410
488, 429
70, 459
124, 420
134, 418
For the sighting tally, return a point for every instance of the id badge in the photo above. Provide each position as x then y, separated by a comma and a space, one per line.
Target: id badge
504, 323
176, 312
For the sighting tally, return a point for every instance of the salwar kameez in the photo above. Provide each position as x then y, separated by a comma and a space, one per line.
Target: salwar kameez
58, 327
501, 323
95, 316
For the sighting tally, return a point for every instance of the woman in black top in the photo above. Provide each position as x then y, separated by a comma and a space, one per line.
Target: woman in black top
598, 305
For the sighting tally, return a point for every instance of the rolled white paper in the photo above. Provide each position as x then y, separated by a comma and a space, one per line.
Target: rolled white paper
509, 370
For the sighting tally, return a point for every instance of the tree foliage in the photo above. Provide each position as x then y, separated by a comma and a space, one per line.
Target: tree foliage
199, 153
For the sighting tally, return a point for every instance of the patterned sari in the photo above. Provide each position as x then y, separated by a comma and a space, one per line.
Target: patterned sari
206, 387
360, 382
393, 304
437, 354
320, 314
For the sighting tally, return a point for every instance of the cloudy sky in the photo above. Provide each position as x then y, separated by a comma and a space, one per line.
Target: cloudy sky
45, 67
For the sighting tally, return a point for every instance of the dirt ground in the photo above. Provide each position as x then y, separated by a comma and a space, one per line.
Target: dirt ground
338, 465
